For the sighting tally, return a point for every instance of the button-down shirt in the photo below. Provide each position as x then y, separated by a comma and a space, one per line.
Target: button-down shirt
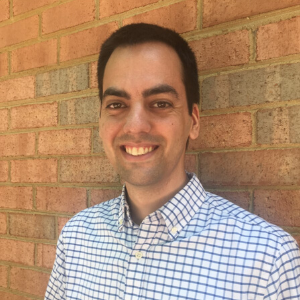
197, 246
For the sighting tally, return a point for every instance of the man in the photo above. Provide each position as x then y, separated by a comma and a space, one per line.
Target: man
165, 237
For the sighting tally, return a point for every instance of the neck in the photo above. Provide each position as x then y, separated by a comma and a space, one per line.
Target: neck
145, 200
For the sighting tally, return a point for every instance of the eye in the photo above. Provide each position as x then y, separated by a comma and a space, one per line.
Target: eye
115, 105
162, 104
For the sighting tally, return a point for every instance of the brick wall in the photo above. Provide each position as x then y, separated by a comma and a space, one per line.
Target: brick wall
52, 163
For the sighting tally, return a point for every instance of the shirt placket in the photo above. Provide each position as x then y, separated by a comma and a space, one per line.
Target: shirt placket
137, 262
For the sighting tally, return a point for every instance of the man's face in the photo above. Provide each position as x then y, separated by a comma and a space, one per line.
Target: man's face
144, 122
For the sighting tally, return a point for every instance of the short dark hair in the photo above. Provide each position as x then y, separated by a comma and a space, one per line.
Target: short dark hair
140, 33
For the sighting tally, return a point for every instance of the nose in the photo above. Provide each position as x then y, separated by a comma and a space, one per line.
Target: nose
137, 119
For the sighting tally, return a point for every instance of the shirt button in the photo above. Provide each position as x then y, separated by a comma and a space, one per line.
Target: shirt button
121, 221
138, 255
174, 230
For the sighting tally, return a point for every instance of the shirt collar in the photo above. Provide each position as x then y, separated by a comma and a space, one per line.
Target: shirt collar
177, 212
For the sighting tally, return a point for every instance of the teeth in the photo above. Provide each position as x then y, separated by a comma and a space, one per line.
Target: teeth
135, 151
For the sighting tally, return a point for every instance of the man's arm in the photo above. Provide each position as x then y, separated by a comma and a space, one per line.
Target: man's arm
56, 285
284, 281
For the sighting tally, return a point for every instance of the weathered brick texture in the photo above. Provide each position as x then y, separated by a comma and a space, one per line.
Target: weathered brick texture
279, 207
34, 116
87, 169
85, 42
4, 10
190, 163
45, 255
28, 281
80, 111
98, 196
61, 223
3, 277
181, 17
34, 56
278, 39
21, 6
69, 141
279, 125
60, 199
3, 171
34, 170
9, 296
17, 144
16, 197
216, 12
109, 8
62, 81
32, 226
19, 32
97, 142
252, 87
68, 14
264, 168
222, 50
3, 63
224, 131
17, 89
17, 251
3, 223
3, 119
93, 78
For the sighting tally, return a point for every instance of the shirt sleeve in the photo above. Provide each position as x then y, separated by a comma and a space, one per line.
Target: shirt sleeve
284, 281
56, 286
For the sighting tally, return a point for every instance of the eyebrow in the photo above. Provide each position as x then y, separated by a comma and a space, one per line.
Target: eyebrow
159, 89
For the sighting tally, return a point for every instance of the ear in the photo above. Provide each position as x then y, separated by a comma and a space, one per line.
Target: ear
194, 131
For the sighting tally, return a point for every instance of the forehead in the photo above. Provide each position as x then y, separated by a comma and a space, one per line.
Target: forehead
143, 59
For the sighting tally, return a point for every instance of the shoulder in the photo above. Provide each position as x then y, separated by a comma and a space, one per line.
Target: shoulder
95, 216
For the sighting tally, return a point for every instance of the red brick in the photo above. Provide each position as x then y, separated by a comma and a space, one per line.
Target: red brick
263, 167
45, 255
34, 170
85, 42
216, 12
9, 296
3, 223
224, 131
60, 199
17, 89
68, 15
87, 169
3, 277
226, 50
32, 226
34, 116
278, 39
190, 163
3, 119
98, 196
29, 281
34, 56
297, 238
69, 141
279, 207
181, 17
113, 7
19, 31
16, 197
3, 171
17, 144
17, 252
3, 63
61, 223
4, 10
21, 6
241, 199
94, 79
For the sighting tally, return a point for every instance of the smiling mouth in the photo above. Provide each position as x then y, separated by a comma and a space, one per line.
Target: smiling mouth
136, 151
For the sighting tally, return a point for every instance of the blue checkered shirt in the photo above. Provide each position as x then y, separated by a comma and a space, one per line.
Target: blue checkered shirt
197, 246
